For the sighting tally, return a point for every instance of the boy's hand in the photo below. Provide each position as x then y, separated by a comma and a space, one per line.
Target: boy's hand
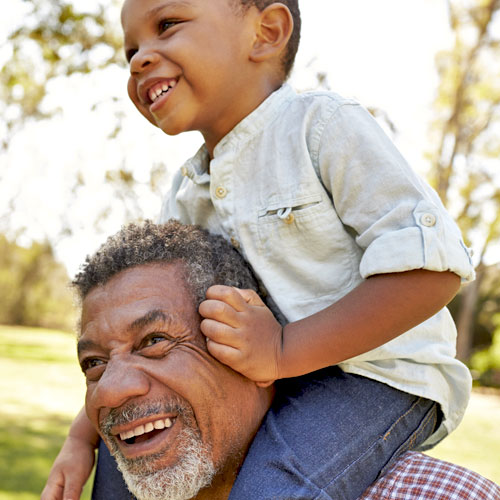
70, 471
242, 333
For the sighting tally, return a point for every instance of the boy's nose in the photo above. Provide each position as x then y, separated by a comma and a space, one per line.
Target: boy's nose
143, 59
120, 382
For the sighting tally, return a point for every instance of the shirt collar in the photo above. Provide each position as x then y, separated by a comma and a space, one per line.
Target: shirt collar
257, 120
196, 168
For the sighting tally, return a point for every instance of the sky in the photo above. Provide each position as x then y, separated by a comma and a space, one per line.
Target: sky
379, 52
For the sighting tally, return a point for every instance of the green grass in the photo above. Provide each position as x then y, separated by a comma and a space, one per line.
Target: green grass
476, 442
42, 388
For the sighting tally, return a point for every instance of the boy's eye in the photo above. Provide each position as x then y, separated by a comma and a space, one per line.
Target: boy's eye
165, 24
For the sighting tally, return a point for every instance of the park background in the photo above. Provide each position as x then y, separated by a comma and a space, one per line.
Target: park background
77, 161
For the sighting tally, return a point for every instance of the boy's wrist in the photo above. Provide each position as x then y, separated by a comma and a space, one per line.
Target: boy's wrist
281, 364
81, 442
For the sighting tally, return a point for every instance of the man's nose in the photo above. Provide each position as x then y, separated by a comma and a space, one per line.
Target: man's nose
120, 382
143, 59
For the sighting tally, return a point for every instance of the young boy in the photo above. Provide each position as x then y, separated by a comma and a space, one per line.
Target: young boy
357, 252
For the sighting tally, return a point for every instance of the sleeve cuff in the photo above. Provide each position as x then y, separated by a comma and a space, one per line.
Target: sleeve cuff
433, 243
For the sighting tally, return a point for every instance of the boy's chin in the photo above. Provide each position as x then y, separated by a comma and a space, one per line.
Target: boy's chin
150, 118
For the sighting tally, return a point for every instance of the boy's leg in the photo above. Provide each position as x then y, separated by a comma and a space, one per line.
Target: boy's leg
329, 435
108, 482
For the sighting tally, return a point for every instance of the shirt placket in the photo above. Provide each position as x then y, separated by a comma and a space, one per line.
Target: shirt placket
222, 193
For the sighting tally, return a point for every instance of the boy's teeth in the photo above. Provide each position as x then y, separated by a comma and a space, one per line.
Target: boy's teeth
144, 429
158, 91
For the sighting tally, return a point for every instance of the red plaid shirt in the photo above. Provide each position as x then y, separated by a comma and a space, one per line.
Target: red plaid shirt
416, 476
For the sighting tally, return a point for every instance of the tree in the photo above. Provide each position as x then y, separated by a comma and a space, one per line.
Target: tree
34, 287
54, 40
58, 41
465, 167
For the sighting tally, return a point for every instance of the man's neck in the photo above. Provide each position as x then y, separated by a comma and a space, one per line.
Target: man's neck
219, 489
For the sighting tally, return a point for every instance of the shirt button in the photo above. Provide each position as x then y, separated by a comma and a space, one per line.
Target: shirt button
428, 220
221, 192
289, 218
184, 171
235, 242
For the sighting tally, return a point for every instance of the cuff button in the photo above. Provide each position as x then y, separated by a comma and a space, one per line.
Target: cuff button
428, 220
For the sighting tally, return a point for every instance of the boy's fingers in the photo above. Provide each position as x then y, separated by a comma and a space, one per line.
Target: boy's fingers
52, 491
72, 490
250, 297
229, 295
224, 353
219, 311
220, 333
71, 493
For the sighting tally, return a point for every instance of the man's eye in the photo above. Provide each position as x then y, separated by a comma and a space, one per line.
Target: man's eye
153, 339
89, 363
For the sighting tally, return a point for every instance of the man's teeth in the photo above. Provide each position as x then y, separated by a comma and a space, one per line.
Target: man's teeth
144, 429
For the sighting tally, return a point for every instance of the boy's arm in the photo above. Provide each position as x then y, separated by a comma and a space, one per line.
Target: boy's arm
74, 463
243, 334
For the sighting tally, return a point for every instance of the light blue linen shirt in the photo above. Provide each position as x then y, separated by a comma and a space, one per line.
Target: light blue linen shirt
317, 198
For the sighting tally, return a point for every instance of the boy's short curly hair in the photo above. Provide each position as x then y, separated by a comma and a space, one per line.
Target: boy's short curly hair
293, 43
207, 259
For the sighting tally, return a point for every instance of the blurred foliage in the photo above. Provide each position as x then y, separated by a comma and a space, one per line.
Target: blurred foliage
465, 166
55, 39
486, 362
33, 287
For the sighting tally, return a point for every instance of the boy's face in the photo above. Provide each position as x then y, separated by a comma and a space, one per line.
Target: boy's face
189, 63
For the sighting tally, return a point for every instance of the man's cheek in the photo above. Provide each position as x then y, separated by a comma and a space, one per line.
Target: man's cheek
193, 373
92, 412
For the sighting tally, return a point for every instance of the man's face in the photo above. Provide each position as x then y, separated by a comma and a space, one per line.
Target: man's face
158, 399
189, 63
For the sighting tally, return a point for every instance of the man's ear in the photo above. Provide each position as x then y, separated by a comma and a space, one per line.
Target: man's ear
275, 27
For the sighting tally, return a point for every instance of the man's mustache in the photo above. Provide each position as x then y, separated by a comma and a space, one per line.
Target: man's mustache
132, 412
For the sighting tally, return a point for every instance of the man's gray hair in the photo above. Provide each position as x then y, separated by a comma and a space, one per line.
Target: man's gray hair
207, 259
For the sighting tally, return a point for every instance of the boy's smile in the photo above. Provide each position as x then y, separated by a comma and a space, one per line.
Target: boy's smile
190, 64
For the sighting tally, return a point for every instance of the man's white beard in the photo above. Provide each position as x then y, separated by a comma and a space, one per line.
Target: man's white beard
182, 481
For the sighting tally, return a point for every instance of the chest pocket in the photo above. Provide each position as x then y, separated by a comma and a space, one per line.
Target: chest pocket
306, 246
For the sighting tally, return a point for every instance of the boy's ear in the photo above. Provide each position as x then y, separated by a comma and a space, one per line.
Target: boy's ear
275, 26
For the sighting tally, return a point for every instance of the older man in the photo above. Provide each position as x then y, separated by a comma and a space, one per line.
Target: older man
178, 422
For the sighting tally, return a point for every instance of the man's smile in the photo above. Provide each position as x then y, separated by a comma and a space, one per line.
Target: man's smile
148, 443
146, 429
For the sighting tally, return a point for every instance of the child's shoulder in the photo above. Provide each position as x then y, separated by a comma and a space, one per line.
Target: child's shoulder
322, 105
326, 98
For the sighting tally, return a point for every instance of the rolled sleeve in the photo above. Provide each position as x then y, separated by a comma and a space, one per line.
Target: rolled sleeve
433, 243
397, 219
